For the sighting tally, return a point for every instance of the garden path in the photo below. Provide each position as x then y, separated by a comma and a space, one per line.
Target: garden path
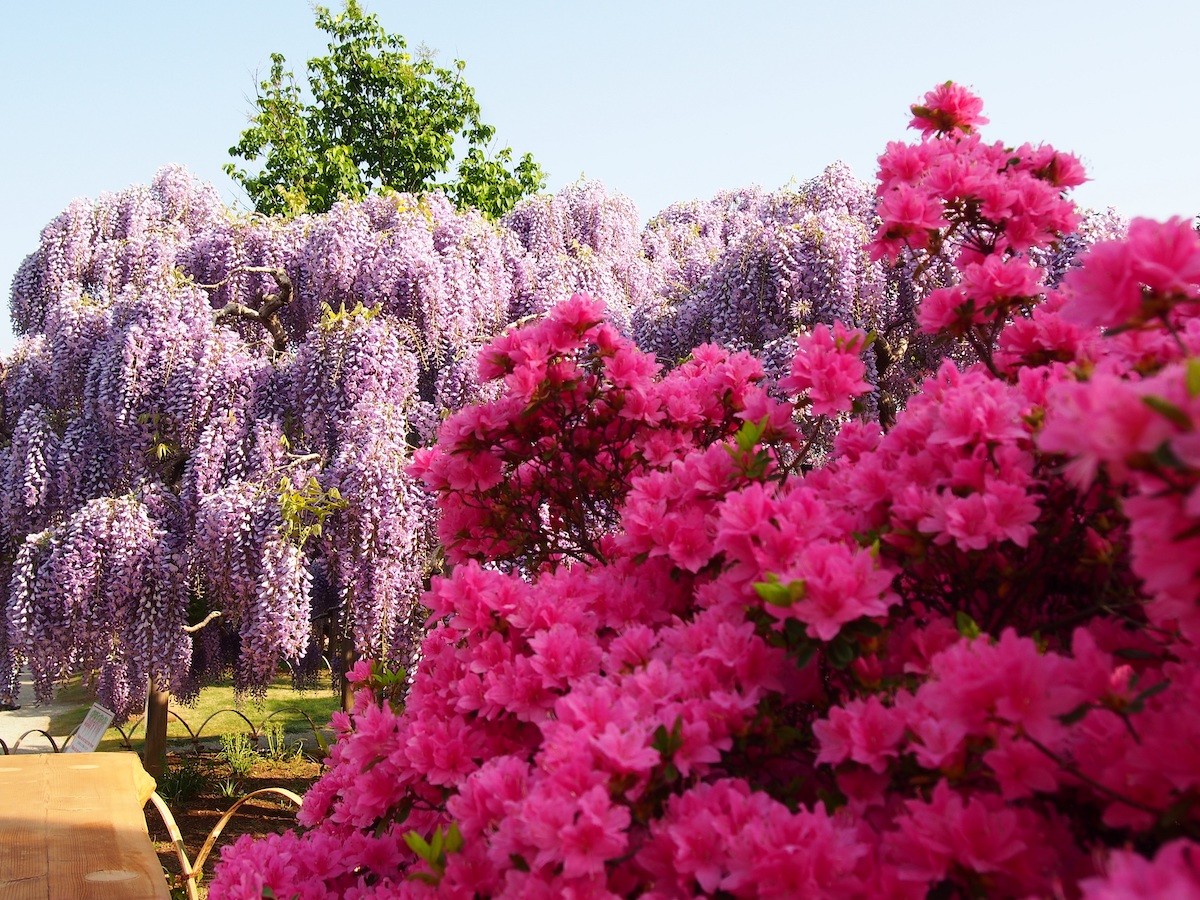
14, 723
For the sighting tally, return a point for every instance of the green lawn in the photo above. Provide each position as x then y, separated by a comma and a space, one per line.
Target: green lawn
282, 704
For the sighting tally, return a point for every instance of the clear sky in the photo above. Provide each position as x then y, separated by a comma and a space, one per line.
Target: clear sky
659, 99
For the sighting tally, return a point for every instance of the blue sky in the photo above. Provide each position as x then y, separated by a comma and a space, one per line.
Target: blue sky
663, 101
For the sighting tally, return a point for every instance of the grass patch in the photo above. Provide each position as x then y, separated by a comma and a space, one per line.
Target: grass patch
280, 705
79, 698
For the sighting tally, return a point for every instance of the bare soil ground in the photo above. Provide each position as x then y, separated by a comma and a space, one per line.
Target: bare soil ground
197, 814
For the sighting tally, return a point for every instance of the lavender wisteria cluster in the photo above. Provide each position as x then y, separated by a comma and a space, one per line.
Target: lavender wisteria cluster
237, 399
215, 413
748, 269
582, 239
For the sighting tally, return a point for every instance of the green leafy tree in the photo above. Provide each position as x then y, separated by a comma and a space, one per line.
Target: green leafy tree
379, 118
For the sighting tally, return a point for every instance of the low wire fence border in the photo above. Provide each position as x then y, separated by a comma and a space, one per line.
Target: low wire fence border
194, 735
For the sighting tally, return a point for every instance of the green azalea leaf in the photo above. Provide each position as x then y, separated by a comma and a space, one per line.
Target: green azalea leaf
418, 845
1169, 411
966, 626
1076, 714
1193, 377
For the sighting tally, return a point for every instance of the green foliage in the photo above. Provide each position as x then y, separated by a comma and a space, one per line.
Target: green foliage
282, 702
229, 788
434, 851
304, 510
379, 118
279, 748
1193, 376
777, 593
182, 783
161, 446
239, 754
338, 318
966, 626
751, 459
389, 681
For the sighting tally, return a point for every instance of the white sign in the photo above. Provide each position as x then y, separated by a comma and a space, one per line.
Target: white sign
87, 736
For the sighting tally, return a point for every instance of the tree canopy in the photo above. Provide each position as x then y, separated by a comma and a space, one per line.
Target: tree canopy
379, 117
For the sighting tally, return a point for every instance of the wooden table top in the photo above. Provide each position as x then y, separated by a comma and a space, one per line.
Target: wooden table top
72, 826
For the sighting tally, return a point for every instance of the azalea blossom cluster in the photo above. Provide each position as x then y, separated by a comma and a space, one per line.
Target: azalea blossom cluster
980, 206
958, 657
177, 349
535, 477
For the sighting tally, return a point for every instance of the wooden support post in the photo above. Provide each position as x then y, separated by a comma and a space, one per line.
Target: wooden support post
154, 752
349, 658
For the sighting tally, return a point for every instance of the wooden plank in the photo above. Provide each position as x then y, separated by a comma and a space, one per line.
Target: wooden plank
80, 817
23, 792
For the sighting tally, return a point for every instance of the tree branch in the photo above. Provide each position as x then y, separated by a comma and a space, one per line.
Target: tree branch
192, 629
265, 315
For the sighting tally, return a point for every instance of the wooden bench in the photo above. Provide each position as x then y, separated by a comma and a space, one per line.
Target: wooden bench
72, 828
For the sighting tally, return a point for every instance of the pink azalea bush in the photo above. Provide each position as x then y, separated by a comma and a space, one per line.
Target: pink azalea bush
671, 658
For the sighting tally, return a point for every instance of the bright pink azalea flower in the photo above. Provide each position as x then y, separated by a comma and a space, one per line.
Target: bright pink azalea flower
577, 708
948, 107
1101, 421
595, 836
976, 681
946, 309
1105, 291
1022, 769
903, 163
909, 214
997, 279
828, 366
1174, 872
839, 585
940, 740
626, 750
978, 833
864, 731
1166, 255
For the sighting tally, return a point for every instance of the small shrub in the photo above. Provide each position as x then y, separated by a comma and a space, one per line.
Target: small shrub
183, 782
238, 753
229, 788
278, 747
276, 743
